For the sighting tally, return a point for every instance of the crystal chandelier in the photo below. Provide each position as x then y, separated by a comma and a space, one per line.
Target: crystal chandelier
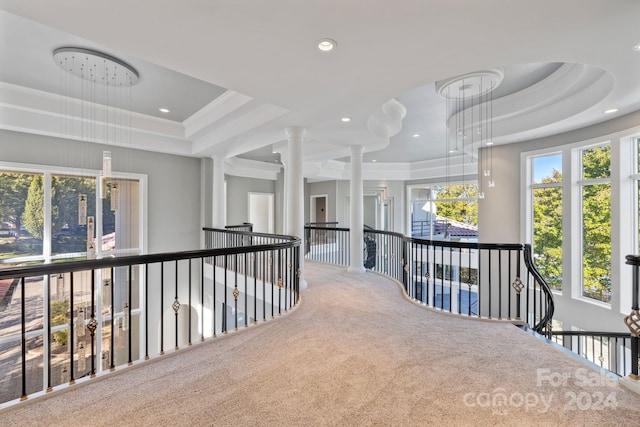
469, 122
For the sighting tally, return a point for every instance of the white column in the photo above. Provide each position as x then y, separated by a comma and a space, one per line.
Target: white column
356, 221
294, 189
219, 201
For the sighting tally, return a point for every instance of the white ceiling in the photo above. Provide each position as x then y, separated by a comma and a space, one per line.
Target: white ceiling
235, 74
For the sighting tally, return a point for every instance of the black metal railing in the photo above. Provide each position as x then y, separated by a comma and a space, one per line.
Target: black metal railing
608, 350
78, 319
322, 224
494, 281
327, 244
614, 351
245, 226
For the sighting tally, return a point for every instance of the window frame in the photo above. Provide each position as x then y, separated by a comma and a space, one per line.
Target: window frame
625, 214
579, 187
47, 172
531, 187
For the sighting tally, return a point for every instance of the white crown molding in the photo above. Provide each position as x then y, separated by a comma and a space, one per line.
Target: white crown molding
32, 111
217, 137
213, 112
251, 168
569, 91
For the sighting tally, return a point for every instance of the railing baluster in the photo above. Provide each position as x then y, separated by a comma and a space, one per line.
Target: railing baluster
23, 337
246, 295
92, 326
71, 340
189, 305
214, 306
146, 311
128, 314
48, 335
226, 291
161, 309
202, 297
255, 287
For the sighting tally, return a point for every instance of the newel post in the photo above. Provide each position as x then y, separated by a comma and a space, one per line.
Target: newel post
632, 321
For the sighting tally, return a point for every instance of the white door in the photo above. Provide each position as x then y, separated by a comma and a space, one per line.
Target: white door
261, 212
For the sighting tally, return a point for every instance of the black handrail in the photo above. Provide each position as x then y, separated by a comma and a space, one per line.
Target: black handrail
245, 226
400, 253
107, 297
121, 261
545, 322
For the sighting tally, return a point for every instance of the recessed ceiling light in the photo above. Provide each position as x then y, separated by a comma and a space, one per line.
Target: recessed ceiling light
489, 142
327, 45
373, 161
611, 111
164, 110
636, 48
415, 135
346, 119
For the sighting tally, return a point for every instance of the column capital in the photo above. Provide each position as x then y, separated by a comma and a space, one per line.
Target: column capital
357, 149
295, 131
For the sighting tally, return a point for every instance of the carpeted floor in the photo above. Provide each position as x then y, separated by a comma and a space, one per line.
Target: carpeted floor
355, 352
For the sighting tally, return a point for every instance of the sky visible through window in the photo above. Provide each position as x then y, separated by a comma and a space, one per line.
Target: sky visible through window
544, 166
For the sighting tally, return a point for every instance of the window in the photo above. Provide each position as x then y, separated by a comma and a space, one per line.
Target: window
546, 191
444, 211
68, 226
48, 215
596, 222
21, 226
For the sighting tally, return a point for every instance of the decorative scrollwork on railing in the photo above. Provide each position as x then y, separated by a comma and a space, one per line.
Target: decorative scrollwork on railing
633, 322
518, 285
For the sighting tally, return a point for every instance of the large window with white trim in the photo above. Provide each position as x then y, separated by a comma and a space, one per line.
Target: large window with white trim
595, 190
576, 192
52, 214
546, 193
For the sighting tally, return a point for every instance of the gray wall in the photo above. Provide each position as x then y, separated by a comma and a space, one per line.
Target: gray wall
173, 181
238, 189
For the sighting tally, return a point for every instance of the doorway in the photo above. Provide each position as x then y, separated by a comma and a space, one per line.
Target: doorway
261, 212
318, 208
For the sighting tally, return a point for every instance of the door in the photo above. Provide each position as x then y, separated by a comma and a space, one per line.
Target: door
261, 212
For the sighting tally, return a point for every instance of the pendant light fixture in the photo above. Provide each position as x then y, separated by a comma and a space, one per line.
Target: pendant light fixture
469, 122
96, 107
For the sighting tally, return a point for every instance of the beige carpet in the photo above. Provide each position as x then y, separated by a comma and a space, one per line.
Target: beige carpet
355, 352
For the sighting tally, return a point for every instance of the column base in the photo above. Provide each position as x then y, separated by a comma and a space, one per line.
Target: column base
630, 384
355, 269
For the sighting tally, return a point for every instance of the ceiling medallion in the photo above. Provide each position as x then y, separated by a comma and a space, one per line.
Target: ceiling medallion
470, 85
96, 67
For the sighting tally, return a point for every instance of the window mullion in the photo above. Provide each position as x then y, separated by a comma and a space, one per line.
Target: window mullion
46, 232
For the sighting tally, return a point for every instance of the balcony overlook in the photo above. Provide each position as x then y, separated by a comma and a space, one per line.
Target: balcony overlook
355, 351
